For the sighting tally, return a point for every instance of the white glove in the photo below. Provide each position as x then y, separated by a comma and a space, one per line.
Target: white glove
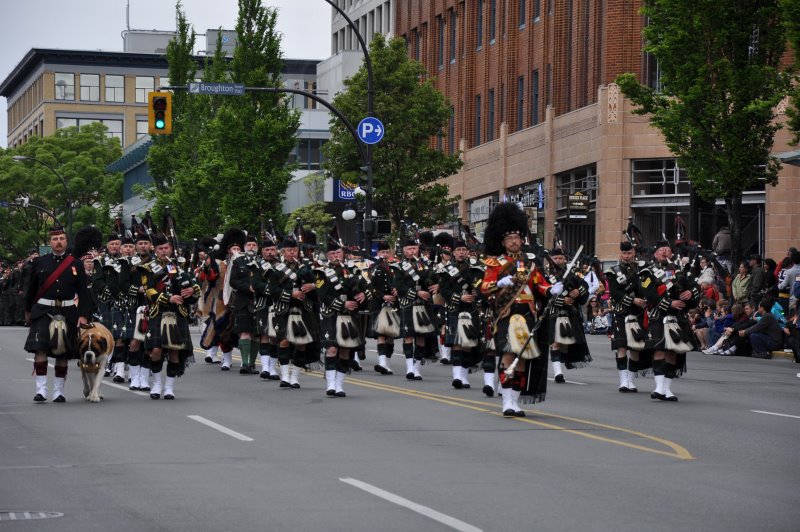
557, 288
505, 281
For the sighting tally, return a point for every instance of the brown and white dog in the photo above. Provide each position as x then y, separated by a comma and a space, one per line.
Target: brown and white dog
95, 344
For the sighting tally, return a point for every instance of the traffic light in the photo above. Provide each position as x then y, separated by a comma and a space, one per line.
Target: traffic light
159, 113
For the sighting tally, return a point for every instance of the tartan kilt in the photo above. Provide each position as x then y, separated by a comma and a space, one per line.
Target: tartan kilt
244, 321
311, 322
619, 339
115, 319
129, 322
262, 320
38, 339
328, 331
451, 324
153, 338
407, 321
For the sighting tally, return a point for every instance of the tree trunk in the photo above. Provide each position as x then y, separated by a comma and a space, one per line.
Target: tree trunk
733, 205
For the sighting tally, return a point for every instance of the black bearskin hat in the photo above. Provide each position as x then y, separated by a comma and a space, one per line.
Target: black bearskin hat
208, 244
85, 240
505, 219
159, 239
444, 240
426, 240
232, 237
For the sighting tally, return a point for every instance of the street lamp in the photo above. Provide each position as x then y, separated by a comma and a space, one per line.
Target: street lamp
21, 158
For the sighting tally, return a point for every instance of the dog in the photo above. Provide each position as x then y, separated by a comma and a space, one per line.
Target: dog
95, 344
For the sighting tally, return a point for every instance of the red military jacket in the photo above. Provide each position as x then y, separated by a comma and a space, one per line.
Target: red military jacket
536, 287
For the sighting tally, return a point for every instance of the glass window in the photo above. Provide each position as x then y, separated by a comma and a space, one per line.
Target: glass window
440, 42
658, 177
452, 36
61, 123
537, 10
310, 86
477, 120
535, 97
141, 129
115, 89
522, 13
480, 24
492, 20
144, 86
65, 86
308, 154
114, 129
520, 102
490, 121
451, 131
90, 87
417, 51
582, 179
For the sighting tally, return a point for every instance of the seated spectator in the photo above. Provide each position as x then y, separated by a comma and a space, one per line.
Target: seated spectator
701, 324
722, 318
596, 317
766, 335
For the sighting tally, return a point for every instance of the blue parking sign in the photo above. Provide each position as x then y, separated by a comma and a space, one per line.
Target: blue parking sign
370, 130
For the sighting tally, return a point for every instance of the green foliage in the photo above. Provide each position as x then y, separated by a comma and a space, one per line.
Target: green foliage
720, 82
313, 217
81, 158
791, 9
405, 165
225, 163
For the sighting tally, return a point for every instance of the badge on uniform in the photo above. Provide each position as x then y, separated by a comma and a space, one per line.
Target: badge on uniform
171, 269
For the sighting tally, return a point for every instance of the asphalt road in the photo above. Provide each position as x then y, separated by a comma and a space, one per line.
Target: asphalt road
233, 452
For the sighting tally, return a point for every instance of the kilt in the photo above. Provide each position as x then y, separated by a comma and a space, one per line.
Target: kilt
115, 319
619, 339
535, 384
154, 339
451, 324
281, 321
243, 315
577, 355
407, 321
39, 334
328, 331
263, 317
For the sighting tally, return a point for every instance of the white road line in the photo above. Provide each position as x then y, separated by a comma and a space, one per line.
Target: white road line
430, 513
775, 414
217, 426
572, 382
123, 387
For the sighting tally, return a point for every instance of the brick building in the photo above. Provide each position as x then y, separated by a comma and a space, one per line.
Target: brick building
540, 121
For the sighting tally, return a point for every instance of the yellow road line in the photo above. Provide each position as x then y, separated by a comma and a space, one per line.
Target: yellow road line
481, 406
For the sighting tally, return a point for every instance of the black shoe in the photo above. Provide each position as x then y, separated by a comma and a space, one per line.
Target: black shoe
671, 398
410, 376
465, 386
457, 384
144, 389
445, 361
340, 394
295, 385
244, 370
155, 396
357, 366
560, 379
488, 391
107, 373
519, 413
417, 377
133, 388
60, 399
380, 369
168, 397
623, 389
509, 413
265, 375
659, 396
209, 360
330, 393
225, 368
39, 398
285, 384
275, 377
118, 379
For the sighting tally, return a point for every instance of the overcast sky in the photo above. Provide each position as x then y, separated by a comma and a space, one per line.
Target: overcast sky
97, 25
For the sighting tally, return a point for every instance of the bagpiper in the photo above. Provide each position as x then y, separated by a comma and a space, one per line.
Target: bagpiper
670, 293
385, 321
340, 291
568, 347
265, 315
170, 293
415, 289
519, 289
56, 304
629, 309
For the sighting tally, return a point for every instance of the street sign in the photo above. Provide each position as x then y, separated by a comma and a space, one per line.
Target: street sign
578, 205
217, 89
370, 130
345, 191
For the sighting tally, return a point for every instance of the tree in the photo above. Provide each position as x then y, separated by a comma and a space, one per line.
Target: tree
406, 167
314, 217
791, 10
720, 82
80, 157
226, 161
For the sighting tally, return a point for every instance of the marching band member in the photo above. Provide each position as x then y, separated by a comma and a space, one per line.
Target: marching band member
385, 322
268, 350
138, 361
518, 288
